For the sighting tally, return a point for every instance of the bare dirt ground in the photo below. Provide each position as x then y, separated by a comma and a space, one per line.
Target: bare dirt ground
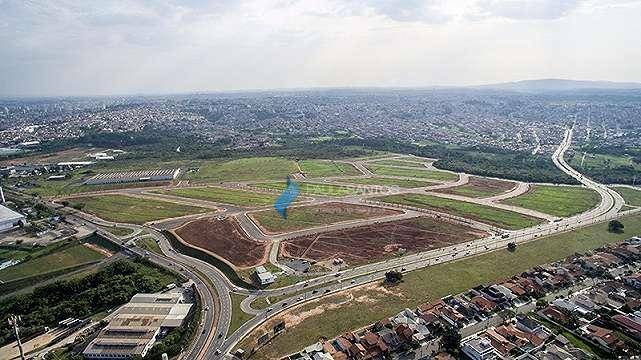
372, 243
224, 238
64, 155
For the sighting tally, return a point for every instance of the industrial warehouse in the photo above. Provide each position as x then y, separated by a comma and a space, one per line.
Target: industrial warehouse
137, 325
133, 176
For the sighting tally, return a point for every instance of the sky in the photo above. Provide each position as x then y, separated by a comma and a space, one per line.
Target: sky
101, 47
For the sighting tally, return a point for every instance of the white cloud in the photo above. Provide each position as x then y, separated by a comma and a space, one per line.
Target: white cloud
528, 9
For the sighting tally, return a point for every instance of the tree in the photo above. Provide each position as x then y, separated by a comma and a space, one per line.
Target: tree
451, 340
511, 246
615, 226
393, 276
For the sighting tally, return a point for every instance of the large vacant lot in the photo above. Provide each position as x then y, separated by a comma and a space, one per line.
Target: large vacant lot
222, 195
312, 188
370, 243
562, 201
489, 215
66, 257
126, 209
479, 187
305, 217
433, 175
399, 162
224, 238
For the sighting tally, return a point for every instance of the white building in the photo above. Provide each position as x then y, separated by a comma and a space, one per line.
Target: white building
9, 219
479, 349
264, 277
136, 325
133, 176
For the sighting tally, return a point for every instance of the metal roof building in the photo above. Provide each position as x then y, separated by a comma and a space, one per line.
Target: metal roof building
9, 218
137, 324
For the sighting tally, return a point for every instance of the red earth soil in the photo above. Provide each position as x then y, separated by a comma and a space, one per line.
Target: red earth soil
371, 243
224, 238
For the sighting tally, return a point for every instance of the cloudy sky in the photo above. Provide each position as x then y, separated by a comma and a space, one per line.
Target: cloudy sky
85, 47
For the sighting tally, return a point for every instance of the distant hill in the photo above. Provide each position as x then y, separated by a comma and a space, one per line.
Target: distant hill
559, 85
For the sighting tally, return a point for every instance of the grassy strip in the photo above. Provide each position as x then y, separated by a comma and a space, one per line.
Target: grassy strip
9, 287
67, 258
323, 168
222, 195
487, 214
632, 197
238, 317
149, 243
399, 162
117, 231
312, 188
365, 306
413, 173
562, 201
379, 181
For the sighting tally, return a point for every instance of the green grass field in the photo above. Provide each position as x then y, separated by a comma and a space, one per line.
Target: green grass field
222, 195
149, 243
312, 188
125, 209
478, 187
603, 161
402, 183
263, 168
632, 197
434, 175
489, 215
268, 168
399, 162
118, 231
57, 260
305, 217
562, 201
238, 318
431, 283
324, 168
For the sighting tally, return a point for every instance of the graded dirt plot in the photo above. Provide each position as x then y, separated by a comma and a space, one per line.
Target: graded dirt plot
370, 243
379, 181
224, 238
479, 187
305, 217
487, 214
563, 201
312, 188
433, 175
632, 197
222, 195
127, 209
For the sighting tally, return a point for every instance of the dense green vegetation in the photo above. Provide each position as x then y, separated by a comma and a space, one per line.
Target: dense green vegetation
431, 283
487, 214
126, 209
222, 195
562, 201
609, 165
631, 196
110, 287
433, 175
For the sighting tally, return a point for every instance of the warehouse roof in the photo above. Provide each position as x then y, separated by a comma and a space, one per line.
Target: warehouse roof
8, 214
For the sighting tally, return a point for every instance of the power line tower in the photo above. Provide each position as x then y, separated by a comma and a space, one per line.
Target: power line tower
13, 321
